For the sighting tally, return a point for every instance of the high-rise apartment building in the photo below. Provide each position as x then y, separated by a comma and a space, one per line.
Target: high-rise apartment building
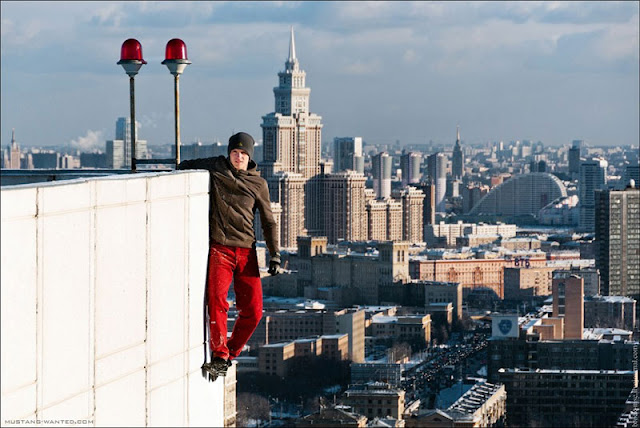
457, 161
344, 207
410, 166
617, 227
428, 205
377, 219
437, 170
592, 177
412, 201
347, 154
382, 164
385, 220
287, 189
394, 220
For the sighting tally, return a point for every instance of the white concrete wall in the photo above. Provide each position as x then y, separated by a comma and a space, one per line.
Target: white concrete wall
102, 287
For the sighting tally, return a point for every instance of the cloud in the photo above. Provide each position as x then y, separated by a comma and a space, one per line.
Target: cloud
357, 67
20, 36
152, 121
415, 53
410, 56
110, 15
91, 141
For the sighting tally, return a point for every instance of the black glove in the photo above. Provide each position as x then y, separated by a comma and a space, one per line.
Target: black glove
274, 265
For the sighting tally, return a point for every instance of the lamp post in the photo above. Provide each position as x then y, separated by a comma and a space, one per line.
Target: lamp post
176, 61
131, 60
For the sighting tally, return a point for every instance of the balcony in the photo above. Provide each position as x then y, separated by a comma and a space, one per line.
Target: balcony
102, 286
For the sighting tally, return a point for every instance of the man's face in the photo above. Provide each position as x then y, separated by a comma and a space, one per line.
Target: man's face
239, 159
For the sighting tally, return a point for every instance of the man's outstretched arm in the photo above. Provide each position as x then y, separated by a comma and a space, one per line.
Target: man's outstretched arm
202, 163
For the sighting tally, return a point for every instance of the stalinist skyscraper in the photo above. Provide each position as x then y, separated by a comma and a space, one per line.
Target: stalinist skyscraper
292, 141
457, 167
291, 134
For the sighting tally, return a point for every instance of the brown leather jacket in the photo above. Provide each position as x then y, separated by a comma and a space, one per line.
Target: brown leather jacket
234, 197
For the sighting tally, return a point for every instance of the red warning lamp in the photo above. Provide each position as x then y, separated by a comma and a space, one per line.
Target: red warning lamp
176, 49
176, 56
131, 57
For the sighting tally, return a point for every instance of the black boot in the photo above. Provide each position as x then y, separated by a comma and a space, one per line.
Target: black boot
220, 365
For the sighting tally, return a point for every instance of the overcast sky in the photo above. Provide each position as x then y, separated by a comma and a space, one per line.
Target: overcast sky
385, 71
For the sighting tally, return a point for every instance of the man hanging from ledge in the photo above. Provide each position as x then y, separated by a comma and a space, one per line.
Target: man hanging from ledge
236, 192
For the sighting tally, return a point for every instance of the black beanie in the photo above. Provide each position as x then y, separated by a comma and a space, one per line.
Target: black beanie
242, 141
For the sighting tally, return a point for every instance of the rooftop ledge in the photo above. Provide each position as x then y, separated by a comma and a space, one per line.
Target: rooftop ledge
102, 289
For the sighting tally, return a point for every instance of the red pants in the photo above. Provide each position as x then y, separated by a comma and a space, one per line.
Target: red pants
241, 265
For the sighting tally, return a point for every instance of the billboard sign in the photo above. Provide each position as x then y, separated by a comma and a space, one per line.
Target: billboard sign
504, 325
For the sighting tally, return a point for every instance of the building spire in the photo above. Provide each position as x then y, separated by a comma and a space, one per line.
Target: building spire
292, 47
457, 133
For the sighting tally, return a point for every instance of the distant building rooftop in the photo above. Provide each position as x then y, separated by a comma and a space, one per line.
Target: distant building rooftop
475, 398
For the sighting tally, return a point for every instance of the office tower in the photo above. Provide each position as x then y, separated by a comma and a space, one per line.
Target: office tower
14, 153
119, 149
291, 134
574, 158
115, 154
344, 207
617, 226
568, 302
412, 201
347, 154
410, 166
382, 175
123, 132
457, 164
592, 177
437, 170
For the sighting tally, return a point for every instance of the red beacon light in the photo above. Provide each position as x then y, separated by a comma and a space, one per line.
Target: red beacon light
176, 56
131, 57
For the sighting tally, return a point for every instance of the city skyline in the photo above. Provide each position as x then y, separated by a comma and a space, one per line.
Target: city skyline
407, 71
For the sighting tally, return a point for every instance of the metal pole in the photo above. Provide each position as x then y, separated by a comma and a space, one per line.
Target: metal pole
177, 115
133, 123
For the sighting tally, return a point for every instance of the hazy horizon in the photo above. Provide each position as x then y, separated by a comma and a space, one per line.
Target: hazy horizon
385, 71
